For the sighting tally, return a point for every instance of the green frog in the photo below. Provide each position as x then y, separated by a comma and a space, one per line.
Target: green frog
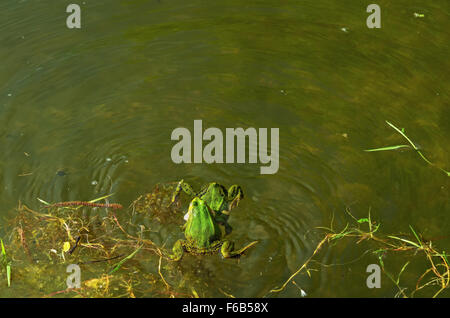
203, 234
216, 197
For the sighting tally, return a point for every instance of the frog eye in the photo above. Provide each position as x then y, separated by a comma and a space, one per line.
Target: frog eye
195, 203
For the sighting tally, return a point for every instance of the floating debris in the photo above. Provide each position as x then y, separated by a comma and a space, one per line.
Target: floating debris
41, 241
156, 205
414, 146
114, 206
61, 173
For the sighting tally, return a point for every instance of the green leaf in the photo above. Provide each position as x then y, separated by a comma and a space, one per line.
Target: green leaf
445, 256
6, 263
101, 198
380, 258
119, 264
363, 220
388, 148
403, 268
402, 132
42, 201
417, 237
3, 248
8, 274
66, 246
403, 240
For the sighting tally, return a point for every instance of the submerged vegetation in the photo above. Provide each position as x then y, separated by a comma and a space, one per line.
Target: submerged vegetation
119, 259
41, 243
6, 263
435, 277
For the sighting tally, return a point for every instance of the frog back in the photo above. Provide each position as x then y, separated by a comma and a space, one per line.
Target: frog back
201, 229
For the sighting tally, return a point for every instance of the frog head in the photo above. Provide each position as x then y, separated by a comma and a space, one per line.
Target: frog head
221, 200
216, 196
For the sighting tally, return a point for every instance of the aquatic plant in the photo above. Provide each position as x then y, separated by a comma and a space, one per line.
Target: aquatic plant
119, 264
111, 253
437, 274
91, 203
114, 206
6, 263
411, 144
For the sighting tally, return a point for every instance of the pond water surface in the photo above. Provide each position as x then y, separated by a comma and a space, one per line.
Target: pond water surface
88, 112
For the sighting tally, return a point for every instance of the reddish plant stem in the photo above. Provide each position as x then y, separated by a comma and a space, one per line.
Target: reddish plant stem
113, 206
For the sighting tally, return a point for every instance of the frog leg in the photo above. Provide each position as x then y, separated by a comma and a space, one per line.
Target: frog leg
227, 249
178, 251
225, 228
235, 194
182, 186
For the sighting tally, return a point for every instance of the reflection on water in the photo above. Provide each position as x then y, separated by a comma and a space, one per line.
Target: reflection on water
88, 112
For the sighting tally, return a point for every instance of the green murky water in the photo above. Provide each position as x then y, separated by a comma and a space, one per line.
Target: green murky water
100, 103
